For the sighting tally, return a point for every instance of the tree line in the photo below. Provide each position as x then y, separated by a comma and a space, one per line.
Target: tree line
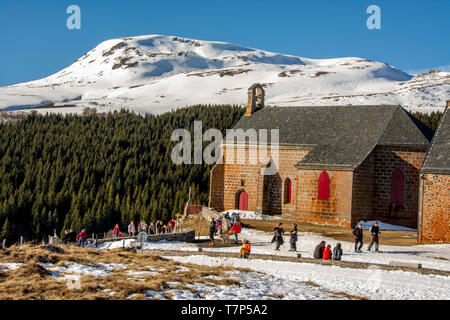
94, 170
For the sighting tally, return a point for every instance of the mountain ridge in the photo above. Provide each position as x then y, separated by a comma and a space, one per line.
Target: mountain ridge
156, 73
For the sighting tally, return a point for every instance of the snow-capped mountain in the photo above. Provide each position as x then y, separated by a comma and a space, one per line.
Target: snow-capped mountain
156, 73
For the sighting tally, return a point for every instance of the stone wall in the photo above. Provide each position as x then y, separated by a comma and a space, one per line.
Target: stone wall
434, 217
265, 193
184, 236
334, 211
362, 198
385, 161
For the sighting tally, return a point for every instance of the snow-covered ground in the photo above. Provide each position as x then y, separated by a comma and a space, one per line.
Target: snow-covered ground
280, 279
368, 283
430, 256
293, 280
251, 215
154, 74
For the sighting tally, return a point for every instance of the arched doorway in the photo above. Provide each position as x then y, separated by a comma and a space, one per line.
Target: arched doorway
242, 200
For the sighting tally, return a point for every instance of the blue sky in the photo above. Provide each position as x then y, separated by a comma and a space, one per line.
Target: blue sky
414, 35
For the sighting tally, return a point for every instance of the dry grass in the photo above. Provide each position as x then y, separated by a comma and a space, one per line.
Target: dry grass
33, 281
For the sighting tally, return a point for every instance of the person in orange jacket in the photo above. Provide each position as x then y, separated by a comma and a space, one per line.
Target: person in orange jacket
327, 253
245, 250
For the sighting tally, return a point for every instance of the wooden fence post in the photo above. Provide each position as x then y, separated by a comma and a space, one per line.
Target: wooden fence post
4, 244
21, 240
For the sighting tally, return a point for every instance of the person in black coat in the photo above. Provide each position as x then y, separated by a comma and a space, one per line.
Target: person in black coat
375, 232
337, 252
294, 238
358, 233
69, 236
212, 231
278, 236
318, 252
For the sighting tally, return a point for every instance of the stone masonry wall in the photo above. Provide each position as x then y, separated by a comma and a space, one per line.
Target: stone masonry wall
434, 222
385, 160
336, 210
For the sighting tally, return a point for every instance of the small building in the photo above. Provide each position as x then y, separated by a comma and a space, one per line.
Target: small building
336, 165
434, 205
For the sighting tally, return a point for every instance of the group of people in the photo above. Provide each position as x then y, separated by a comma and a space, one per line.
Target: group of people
278, 237
70, 237
216, 227
157, 227
323, 251
375, 237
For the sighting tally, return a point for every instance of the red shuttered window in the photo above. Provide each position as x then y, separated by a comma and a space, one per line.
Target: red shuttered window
324, 186
287, 191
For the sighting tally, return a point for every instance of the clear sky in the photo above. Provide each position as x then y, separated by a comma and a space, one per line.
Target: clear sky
414, 34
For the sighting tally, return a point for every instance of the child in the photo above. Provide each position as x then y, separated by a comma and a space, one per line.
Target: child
245, 250
337, 252
327, 253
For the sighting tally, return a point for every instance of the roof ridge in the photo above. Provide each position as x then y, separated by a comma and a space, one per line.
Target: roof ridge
379, 138
434, 136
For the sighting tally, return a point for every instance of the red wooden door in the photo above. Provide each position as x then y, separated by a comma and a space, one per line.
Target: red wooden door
243, 201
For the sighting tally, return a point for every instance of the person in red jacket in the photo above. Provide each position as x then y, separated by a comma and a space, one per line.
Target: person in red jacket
327, 253
116, 231
82, 238
171, 225
236, 228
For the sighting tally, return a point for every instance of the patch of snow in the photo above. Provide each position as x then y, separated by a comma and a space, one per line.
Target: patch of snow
182, 269
7, 266
251, 215
79, 269
155, 295
384, 226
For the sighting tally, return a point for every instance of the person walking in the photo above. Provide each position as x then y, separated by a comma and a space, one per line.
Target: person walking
318, 252
116, 231
212, 231
375, 232
278, 236
131, 229
337, 252
82, 238
236, 228
358, 233
219, 227
294, 237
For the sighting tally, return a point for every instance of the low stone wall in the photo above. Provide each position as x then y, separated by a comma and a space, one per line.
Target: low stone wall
187, 235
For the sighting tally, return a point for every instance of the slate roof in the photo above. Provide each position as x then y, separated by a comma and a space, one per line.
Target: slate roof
340, 136
437, 159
